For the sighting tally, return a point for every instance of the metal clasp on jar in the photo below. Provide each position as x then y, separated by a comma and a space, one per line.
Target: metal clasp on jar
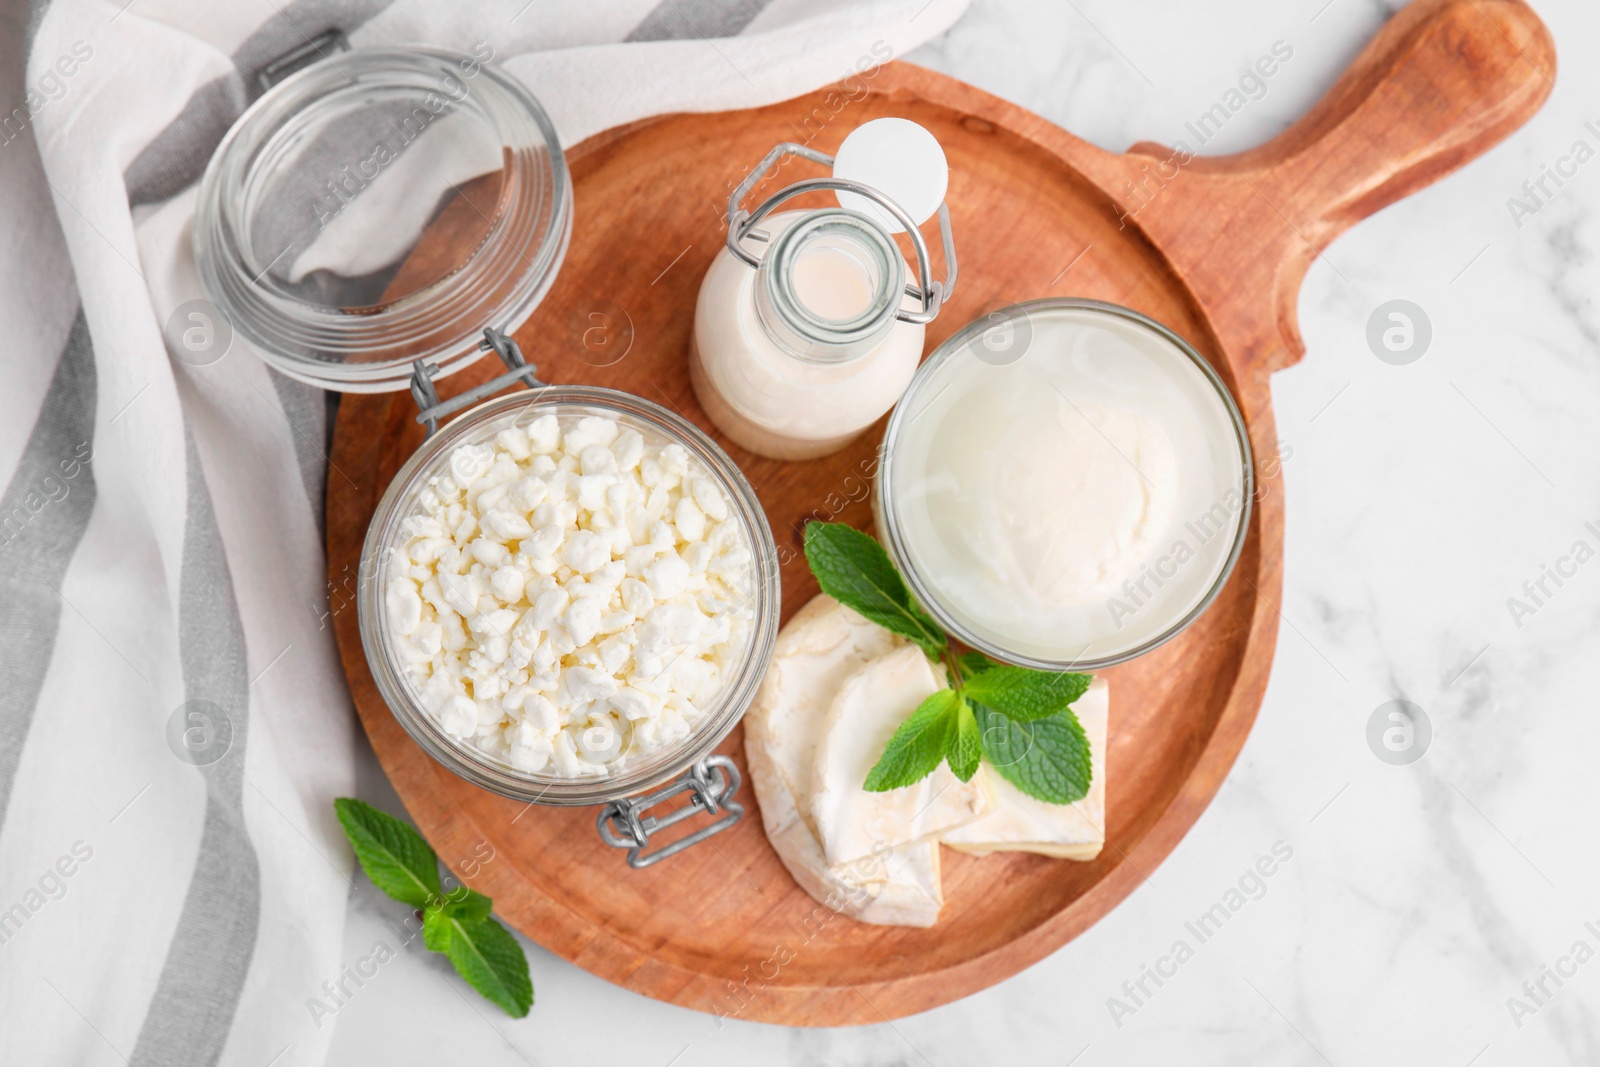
928, 293
431, 410
711, 783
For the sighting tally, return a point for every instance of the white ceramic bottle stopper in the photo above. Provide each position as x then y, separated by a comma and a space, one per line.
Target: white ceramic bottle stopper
898, 158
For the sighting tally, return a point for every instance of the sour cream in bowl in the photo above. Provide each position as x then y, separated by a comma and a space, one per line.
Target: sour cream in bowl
1066, 484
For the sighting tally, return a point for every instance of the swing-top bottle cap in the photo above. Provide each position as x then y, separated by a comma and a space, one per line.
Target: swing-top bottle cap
900, 159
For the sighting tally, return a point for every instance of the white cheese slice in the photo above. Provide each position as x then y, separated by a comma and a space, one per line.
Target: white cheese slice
821, 646
871, 704
1020, 823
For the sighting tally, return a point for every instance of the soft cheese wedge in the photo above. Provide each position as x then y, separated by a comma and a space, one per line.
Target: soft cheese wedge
824, 644
1019, 823
870, 705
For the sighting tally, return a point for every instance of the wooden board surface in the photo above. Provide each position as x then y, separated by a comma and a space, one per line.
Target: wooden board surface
1213, 248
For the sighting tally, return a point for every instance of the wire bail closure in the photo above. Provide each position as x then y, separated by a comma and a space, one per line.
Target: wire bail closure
711, 783
929, 293
431, 410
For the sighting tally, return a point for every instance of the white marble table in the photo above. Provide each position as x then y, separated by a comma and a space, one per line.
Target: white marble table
1418, 898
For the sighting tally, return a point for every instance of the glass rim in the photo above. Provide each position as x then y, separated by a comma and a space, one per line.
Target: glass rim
894, 540
501, 282
817, 338
489, 772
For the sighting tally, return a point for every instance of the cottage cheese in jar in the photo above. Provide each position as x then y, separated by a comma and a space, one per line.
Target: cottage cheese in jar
570, 595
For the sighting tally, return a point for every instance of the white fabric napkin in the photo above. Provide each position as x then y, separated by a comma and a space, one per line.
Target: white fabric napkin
162, 581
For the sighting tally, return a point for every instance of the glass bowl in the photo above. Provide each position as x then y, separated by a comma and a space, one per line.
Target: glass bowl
1089, 371
628, 775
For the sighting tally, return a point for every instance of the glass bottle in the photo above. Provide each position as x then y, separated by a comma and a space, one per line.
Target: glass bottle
796, 353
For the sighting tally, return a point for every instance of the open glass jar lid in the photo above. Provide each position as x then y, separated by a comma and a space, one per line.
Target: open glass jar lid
379, 208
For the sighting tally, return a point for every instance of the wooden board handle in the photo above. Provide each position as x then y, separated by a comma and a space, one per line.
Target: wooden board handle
1441, 83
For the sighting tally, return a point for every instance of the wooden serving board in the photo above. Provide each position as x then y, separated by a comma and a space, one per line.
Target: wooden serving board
1214, 248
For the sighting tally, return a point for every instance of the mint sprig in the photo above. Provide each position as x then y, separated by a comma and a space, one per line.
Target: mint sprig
486, 955
855, 570
918, 746
966, 748
394, 855
1046, 758
458, 923
1019, 720
1024, 695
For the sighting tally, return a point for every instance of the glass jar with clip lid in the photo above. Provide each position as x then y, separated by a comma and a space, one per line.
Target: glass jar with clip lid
381, 218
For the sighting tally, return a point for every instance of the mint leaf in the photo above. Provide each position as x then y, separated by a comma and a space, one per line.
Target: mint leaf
436, 929
975, 663
918, 746
1045, 758
402, 864
966, 745
1024, 695
485, 954
855, 570
464, 903
393, 854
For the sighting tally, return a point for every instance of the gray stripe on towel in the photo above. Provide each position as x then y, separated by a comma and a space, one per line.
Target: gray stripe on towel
309, 415
177, 156
191, 1014
43, 515
684, 20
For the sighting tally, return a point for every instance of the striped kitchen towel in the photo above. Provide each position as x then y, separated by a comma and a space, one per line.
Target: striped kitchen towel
174, 724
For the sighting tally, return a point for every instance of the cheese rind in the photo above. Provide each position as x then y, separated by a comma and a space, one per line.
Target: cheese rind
870, 705
819, 648
1020, 823
824, 644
